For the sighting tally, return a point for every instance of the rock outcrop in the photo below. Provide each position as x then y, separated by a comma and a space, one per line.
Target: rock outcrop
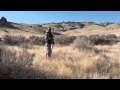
5, 23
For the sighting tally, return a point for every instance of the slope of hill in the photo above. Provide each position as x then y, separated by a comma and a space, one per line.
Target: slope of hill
113, 26
65, 28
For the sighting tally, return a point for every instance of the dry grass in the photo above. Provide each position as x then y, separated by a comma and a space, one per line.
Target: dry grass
68, 62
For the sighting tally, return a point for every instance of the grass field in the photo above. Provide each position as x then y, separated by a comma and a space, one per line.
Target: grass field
74, 61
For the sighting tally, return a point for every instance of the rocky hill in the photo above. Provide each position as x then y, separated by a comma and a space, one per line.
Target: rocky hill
5, 23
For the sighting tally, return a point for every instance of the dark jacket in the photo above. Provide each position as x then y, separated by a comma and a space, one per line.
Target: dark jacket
49, 38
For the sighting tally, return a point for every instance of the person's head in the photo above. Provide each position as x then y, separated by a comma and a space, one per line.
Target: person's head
49, 29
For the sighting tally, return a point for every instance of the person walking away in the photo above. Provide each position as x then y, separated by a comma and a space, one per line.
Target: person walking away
49, 39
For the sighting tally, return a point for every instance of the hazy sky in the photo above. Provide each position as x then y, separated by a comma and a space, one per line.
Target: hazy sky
37, 17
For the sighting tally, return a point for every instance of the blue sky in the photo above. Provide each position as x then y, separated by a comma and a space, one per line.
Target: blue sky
37, 17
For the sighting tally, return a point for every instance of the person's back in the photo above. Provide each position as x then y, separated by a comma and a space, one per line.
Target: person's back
49, 39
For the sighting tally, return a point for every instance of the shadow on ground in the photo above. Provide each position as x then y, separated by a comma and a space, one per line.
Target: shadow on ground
17, 72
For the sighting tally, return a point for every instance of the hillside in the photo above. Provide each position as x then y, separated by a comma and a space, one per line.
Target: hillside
65, 28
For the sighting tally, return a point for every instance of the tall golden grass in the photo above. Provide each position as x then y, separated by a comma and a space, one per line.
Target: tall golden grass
72, 62
69, 62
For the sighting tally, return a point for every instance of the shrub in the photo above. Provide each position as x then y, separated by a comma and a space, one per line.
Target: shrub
34, 40
13, 64
14, 40
39, 25
110, 36
64, 40
9, 57
82, 43
103, 39
25, 45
